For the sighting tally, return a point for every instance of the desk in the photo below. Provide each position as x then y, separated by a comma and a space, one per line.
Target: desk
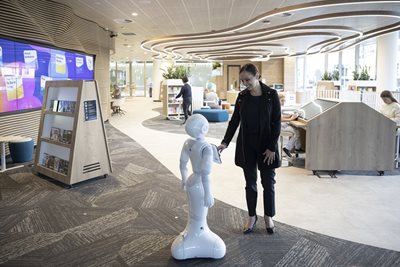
299, 124
347, 136
3, 141
208, 102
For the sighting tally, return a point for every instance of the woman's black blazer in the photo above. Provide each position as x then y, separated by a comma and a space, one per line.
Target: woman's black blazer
270, 127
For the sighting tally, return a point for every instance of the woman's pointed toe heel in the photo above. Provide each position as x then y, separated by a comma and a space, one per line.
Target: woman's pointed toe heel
270, 230
248, 230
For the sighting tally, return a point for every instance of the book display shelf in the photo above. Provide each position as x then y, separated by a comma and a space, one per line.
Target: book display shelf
72, 145
172, 108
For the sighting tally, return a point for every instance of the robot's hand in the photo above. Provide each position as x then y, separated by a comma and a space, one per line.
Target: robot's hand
208, 200
183, 186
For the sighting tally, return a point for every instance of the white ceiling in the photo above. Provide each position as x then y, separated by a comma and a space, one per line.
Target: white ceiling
160, 18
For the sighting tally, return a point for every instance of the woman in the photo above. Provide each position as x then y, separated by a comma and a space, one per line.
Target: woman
391, 108
258, 112
186, 93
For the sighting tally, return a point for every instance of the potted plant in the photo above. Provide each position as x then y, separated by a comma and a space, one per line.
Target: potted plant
326, 76
335, 74
216, 65
176, 72
361, 76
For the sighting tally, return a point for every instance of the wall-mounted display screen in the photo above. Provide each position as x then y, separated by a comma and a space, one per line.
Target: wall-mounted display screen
314, 108
25, 68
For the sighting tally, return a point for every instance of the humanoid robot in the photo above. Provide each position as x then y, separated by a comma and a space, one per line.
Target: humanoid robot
197, 240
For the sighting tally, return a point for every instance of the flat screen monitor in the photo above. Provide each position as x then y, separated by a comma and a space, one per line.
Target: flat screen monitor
314, 108
277, 86
25, 68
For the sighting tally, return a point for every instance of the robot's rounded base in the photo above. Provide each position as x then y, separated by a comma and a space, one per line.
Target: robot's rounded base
204, 245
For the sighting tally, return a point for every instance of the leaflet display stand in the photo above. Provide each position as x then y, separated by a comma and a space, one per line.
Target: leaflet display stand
72, 144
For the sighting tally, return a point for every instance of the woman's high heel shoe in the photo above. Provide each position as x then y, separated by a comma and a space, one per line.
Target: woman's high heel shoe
270, 228
248, 230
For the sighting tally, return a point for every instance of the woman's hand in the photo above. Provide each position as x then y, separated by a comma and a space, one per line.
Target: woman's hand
183, 185
221, 147
269, 156
293, 117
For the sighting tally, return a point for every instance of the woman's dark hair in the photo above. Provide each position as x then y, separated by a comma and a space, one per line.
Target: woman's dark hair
249, 68
185, 79
388, 94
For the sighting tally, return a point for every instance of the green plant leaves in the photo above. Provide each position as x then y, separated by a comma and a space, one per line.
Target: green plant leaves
363, 75
176, 72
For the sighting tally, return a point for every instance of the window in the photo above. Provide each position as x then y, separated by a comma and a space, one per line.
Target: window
300, 73
367, 58
315, 67
348, 62
333, 61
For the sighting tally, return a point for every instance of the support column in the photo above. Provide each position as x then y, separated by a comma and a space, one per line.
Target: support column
386, 50
156, 79
144, 78
130, 78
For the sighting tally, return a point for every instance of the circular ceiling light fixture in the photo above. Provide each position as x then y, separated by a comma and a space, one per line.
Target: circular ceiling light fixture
286, 14
122, 21
134, 14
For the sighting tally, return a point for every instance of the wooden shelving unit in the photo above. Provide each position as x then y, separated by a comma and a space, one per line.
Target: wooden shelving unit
72, 145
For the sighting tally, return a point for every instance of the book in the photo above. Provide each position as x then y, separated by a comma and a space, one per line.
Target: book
69, 106
67, 136
45, 159
63, 166
60, 107
53, 105
55, 134
65, 106
50, 162
56, 163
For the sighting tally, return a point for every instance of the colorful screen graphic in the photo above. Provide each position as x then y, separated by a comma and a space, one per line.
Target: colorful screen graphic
25, 68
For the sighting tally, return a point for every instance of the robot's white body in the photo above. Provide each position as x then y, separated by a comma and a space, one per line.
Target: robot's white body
197, 240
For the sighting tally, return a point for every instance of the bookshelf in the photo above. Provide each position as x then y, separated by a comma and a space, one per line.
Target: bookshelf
72, 145
365, 86
172, 108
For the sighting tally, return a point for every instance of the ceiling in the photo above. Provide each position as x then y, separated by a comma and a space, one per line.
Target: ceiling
236, 29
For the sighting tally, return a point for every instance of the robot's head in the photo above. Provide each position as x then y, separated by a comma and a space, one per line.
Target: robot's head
196, 126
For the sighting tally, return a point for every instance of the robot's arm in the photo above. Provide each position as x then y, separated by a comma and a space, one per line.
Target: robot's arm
206, 163
183, 164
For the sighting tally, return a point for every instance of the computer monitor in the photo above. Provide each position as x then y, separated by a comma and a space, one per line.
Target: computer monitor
277, 86
314, 108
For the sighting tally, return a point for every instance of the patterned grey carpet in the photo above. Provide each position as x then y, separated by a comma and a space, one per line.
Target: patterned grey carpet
131, 218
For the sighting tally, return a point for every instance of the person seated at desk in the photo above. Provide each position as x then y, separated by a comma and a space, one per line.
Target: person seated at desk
390, 108
116, 95
294, 141
213, 100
